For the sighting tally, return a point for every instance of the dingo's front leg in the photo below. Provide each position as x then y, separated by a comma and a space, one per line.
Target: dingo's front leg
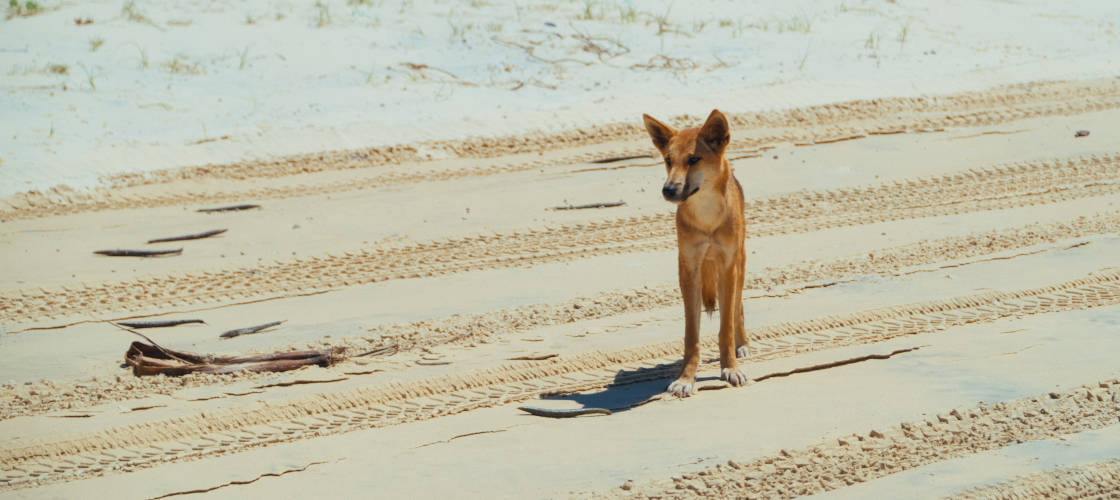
690, 290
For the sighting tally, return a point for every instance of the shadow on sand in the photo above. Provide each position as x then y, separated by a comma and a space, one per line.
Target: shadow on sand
629, 389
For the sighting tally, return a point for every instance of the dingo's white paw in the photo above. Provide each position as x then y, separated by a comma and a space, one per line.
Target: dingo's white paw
734, 377
680, 388
743, 352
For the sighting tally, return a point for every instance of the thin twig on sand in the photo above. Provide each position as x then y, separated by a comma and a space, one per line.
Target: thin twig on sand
423, 69
602, 204
529, 52
675, 64
159, 324
546, 412
231, 208
196, 236
538, 357
248, 330
138, 253
613, 159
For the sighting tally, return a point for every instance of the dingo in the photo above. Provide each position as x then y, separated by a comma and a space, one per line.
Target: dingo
710, 240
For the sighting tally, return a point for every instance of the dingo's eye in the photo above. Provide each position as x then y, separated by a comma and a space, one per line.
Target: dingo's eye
667, 162
692, 160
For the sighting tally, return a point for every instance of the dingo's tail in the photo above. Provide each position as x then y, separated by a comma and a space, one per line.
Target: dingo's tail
709, 278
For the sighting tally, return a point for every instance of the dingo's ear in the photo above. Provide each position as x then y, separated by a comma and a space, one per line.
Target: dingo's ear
715, 134
659, 132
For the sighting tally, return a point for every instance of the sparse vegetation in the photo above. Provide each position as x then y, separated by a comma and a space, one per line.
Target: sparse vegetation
27, 8
872, 42
458, 30
324, 12
244, 57
180, 64
143, 55
796, 24
903, 34
132, 13
738, 27
91, 75
129, 11
58, 69
627, 14
588, 10
96, 43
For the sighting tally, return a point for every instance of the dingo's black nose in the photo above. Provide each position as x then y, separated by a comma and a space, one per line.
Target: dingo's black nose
670, 191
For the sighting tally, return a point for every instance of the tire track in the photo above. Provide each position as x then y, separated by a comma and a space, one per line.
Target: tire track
1096, 480
803, 126
994, 188
498, 325
229, 430
857, 458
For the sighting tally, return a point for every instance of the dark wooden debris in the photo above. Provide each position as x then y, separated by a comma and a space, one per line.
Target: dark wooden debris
230, 208
159, 324
546, 412
196, 236
602, 204
138, 253
152, 359
618, 158
248, 330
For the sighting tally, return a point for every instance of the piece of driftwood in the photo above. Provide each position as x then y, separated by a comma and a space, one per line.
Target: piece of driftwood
1081, 133
138, 253
159, 324
532, 357
249, 329
432, 362
389, 349
196, 236
546, 412
602, 204
230, 208
613, 159
153, 359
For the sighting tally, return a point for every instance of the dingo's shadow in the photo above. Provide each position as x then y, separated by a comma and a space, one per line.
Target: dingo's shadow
629, 389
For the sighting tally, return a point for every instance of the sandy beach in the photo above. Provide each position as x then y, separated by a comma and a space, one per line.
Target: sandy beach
932, 289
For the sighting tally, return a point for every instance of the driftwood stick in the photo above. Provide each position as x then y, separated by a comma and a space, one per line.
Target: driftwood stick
230, 208
432, 362
533, 357
169, 354
196, 236
602, 204
250, 329
545, 412
138, 253
146, 365
613, 159
378, 351
279, 356
159, 324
